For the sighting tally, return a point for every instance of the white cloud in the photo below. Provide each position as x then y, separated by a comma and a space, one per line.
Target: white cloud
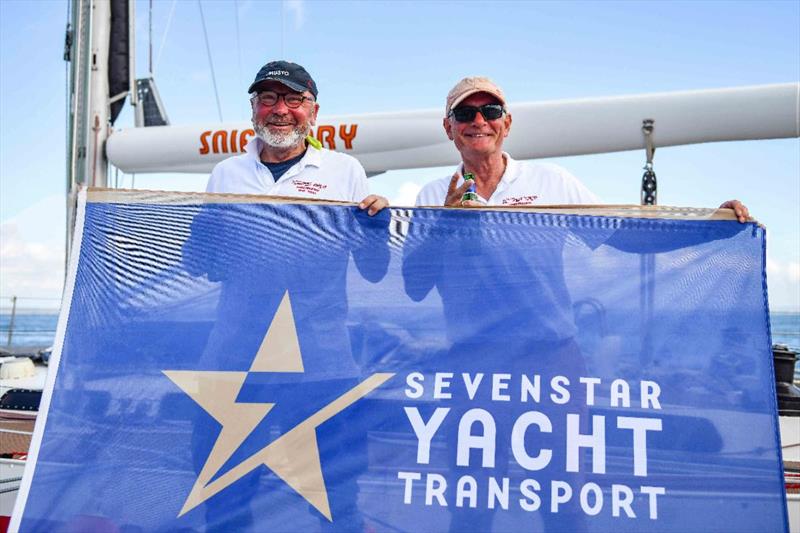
406, 194
29, 269
32, 254
298, 8
783, 282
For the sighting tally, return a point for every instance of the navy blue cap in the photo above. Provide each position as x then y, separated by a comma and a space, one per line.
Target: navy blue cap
290, 74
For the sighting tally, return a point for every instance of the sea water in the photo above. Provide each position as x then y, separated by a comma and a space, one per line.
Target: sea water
31, 330
785, 328
37, 330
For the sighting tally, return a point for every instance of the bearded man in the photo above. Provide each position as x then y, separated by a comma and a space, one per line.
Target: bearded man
256, 267
281, 160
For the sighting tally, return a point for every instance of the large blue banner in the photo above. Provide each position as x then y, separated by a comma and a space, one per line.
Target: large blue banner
235, 365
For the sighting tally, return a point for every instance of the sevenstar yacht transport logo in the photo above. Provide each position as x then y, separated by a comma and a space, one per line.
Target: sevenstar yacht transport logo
294, 455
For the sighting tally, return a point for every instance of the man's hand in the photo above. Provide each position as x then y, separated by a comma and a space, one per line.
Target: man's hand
454, 194
739, 209
373, 204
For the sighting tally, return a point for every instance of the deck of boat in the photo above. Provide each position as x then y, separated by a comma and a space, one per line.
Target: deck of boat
16, 431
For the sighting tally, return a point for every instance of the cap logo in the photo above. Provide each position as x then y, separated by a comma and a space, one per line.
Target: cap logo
290, 74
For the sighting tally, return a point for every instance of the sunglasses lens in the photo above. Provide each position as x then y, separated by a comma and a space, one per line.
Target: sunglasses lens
465, 114
468, 113
492, 111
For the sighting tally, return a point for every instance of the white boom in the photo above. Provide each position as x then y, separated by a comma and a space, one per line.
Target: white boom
415, 139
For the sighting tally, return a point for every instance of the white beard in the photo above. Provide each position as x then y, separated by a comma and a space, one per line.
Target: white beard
279, 140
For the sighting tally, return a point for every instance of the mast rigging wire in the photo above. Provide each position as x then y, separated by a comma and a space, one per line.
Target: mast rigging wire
166, 31
210, 62
238, 43
150, 39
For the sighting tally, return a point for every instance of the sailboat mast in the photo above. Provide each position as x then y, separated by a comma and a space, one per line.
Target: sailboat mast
89, 111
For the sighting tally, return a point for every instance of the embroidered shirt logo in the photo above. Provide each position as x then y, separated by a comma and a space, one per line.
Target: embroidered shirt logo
310, 187
520, 200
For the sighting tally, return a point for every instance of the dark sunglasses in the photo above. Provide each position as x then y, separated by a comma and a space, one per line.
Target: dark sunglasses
467, 113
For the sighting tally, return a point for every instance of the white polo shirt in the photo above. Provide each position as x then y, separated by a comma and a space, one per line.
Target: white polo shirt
521, 184
320, 174
538, 288
319, 303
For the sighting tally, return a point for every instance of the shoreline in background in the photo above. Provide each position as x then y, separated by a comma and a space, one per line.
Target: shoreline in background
37, 330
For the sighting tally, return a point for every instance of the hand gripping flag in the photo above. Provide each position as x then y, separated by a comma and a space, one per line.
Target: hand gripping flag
238, 363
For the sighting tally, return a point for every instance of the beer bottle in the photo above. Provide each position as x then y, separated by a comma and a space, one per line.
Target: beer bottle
470, 193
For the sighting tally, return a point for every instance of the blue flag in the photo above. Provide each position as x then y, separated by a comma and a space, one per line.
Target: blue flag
239, 364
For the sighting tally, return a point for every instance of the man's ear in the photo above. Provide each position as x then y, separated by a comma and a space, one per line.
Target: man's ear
508, 123
447, 128
313, 119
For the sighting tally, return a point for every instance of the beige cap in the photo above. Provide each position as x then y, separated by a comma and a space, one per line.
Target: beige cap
469, 86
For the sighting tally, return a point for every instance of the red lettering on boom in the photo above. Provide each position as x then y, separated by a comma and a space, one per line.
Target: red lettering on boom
244, 137
234, 141
327, 135
204, 142
220, 138
348, 137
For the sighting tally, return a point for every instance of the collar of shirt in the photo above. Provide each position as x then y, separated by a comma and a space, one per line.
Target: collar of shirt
509, 176
313, 157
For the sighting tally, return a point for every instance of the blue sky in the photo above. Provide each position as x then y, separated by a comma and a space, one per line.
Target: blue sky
386, 56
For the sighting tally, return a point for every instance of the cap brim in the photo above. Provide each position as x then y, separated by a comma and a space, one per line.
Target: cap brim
293, 86
475, 91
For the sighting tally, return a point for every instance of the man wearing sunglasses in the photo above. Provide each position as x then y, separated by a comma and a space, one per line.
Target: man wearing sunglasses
477, 121
504, 301
282, 160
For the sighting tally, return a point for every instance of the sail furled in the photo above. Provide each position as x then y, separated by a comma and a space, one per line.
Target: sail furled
119, 76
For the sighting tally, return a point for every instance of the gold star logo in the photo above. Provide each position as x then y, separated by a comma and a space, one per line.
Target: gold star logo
294, 456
